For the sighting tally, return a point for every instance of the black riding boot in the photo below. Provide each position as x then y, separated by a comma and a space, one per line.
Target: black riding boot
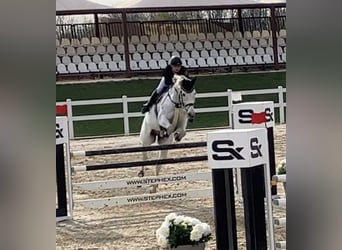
153, 99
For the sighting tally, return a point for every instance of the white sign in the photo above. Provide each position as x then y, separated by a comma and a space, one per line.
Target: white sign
253, 115
62, 135
237, 148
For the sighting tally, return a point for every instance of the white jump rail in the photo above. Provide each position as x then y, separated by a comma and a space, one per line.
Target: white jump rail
125, 115
280, 202
280, 245
279, 178
144, 198
280, 221
145, 181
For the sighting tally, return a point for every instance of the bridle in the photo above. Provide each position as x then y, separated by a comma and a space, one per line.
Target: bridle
180, 104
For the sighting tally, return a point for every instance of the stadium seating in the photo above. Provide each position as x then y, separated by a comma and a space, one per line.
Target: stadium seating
210, 50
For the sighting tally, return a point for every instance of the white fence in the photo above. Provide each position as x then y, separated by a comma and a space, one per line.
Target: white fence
125, 115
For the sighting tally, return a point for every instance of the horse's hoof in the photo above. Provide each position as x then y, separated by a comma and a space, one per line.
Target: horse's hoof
141, 174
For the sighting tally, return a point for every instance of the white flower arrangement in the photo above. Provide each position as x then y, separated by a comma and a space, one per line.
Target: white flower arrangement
281, 168
177, 230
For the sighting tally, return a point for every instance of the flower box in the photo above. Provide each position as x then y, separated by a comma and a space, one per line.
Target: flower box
200, 246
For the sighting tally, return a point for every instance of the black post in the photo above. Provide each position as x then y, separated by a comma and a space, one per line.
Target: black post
225, 217
97, 28
274, 37
270, 138
241, 29
61, 209
125, 41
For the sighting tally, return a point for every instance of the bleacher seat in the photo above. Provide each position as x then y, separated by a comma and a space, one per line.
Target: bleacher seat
150, 48
232, 52
195, 54
154, 39
226, 44
58, 60
153, 64
247, 35
192, 37
213, 53
72, 68
230, 61
211, 62
256, 34
61, 69
156, 56
136, 57
131, 48
265, 34
202, 63
239, 60
122, 65
260, 51
111, 49
86, 59
183, 38
141, 48
263, 43
254, 43
282, 33
105, 40
283, 56
281, 42
85, 41
76, 59
184, 62
60, 51
113, 66
280, 50
192, 63
249, 60
217, 45
160, 47
189, 46
82, 67
117, 58
220, 36
258, 59
162, 63
175, 53
134, 65
198, 45
146, 56
211, 37
164, 38
91, 50
143, 65
106, 58
57, 43
268, 59
169, 47
269, 51
134, 40
235, 44
229, 36
120, 49
81, 51
179, 46
244, 44
95, 41
251, 51
75, 42
116, 40
220, 61
103, 67
166, 55
207, 45
238, 35
242, 52
65, 42
97, 59
185, 55
173, 38
223, 53
66, 60
204, 54
201, 37
144, 40
100, 50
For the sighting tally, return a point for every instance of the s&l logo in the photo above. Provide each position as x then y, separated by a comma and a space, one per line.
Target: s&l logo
249, 116
59, 131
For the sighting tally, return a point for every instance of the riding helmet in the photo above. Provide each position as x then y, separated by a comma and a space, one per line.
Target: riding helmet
175, 61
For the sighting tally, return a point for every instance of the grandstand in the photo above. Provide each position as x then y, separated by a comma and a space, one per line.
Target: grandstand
132, 47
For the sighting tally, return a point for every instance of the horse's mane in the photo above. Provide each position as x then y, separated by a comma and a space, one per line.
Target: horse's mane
185, 83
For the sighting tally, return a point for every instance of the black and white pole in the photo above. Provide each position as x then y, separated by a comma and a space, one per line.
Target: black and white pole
64, 206
245, 149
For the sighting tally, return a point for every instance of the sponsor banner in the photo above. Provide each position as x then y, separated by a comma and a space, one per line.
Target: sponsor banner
237, 148
62, 135
253, 115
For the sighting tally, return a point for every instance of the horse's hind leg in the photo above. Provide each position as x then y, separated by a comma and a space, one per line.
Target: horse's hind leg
147, 140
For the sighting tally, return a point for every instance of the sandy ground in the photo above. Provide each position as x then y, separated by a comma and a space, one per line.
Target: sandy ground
132, 227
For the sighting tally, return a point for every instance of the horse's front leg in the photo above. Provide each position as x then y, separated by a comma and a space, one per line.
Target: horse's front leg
165, 125
181, 128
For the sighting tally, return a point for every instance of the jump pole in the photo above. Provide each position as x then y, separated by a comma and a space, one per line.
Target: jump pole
245, 149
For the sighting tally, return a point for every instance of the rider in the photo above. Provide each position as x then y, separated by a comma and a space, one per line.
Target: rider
174, 67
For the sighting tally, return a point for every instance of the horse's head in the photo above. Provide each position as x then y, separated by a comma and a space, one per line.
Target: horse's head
185, 88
